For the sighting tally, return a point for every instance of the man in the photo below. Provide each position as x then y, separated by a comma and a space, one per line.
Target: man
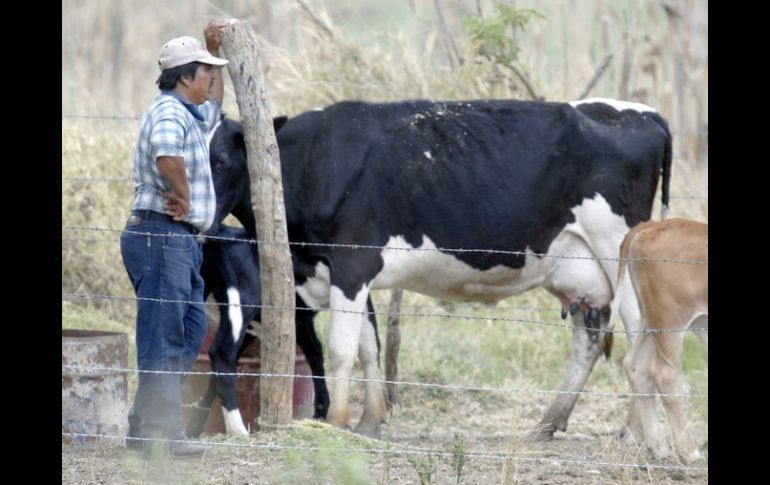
173, 201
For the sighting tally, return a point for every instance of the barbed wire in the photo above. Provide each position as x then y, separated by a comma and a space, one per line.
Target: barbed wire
454, 387
402, 450
390, 248
414, 308
89, 296
472, 306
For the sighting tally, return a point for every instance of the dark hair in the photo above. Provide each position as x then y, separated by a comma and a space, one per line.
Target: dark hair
169, 77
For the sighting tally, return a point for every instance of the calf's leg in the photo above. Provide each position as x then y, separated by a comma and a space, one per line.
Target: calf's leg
667, 374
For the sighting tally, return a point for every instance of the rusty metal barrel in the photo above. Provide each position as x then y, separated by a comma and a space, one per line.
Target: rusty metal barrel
93, 401
247, 387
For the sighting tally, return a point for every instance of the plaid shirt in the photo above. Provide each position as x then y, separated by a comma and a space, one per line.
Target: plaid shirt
168, 128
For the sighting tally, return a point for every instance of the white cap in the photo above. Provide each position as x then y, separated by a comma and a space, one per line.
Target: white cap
183, 50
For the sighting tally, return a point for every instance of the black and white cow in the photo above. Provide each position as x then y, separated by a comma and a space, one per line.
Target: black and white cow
520, 178
230, 271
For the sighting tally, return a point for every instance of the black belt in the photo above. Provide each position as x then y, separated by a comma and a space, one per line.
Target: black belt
148, 215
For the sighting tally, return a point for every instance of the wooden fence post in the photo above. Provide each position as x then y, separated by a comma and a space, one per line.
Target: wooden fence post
277, 353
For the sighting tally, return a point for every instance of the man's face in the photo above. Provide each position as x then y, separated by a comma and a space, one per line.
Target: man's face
199, 90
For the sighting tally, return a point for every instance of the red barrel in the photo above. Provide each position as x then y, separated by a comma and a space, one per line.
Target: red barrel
247, 387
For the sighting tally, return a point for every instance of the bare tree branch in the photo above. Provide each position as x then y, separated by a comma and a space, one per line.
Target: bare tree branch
454, 56
596, 77
316, 19
524, 80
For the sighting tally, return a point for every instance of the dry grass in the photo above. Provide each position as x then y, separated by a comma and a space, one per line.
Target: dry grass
91, 260
660, 54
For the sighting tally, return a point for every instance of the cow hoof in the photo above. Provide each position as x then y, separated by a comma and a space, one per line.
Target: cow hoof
321, 411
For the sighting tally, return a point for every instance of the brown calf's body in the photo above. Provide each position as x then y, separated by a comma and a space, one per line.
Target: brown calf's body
672, 295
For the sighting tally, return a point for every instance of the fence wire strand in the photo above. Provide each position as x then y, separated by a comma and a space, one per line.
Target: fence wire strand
89, 296
400, 450
390, 248
455, 387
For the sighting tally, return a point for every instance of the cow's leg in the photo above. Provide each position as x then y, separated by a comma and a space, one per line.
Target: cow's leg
224, 358
638, 367
347, 318
368, 353
224, 353
311, 347
585, 351
667, 374
201, 409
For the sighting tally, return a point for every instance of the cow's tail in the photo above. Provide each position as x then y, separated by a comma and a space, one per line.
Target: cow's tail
605, 345
666, 175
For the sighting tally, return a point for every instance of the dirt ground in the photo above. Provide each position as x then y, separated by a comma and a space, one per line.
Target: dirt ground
495, 447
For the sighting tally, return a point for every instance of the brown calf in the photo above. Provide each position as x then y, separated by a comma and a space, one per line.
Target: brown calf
672, 296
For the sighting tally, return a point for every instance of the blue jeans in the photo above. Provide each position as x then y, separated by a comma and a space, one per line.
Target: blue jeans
163, 265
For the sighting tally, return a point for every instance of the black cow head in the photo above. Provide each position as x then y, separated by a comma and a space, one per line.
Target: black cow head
230, 173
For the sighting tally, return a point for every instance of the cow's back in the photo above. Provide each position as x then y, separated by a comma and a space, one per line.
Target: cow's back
500, 175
